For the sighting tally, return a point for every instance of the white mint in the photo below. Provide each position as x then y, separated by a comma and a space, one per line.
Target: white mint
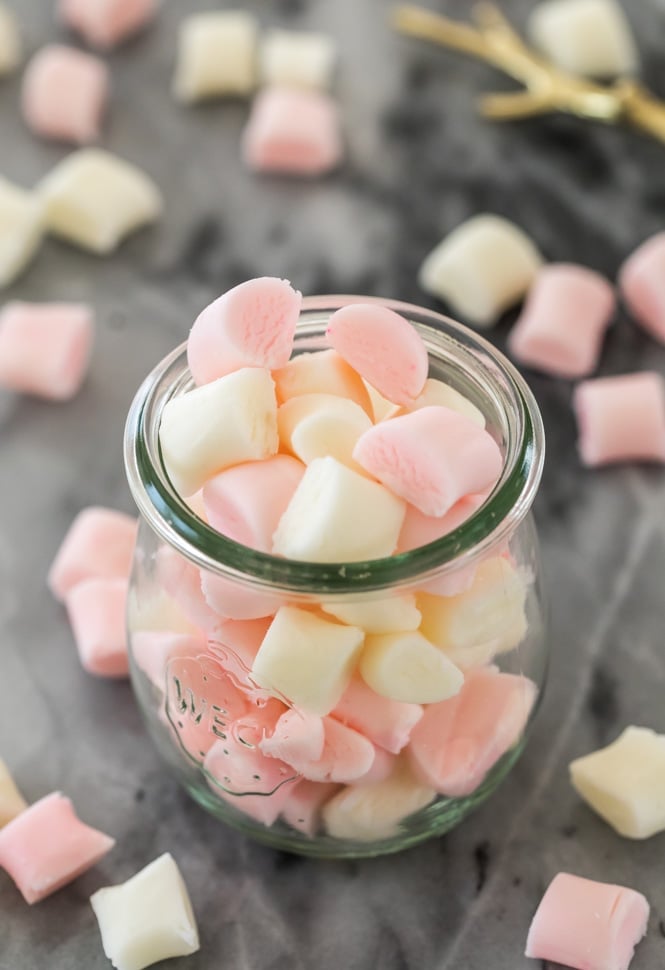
315, 425
228, 421
438, 393
12, 802
487, 619
337, 515
148, 918
481, 268
377, 615
307, 659
300, 59
217, 55
10, 41
588, 37
94, 199
21, 229
406, 667
625, 782
366, 813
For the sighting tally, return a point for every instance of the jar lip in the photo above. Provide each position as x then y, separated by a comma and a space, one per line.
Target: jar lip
173, 521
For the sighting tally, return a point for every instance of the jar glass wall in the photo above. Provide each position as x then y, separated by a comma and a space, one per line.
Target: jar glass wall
375, 774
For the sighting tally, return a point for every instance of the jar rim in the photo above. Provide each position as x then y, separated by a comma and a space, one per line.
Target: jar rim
173, 520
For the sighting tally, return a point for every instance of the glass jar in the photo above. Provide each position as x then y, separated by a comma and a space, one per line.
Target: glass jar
390, 774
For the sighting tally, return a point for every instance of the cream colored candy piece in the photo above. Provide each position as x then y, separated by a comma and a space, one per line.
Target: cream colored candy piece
230, 420
481, 268
321, 372
303, 60
382, 408
407, 667
93, 199
307, 660
10, 41
156, 613
21, 229
588, 37
438, 392
148, 918
12, 802
337, 515
217, 54
625, 782
377, 615
487, 619
315, 425
471, 656
366, 813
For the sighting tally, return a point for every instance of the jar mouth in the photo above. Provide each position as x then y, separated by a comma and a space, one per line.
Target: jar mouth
462, 357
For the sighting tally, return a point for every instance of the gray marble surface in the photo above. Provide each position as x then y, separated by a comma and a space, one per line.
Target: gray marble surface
419, 161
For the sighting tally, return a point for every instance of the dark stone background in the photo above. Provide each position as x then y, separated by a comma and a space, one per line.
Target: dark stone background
419, 162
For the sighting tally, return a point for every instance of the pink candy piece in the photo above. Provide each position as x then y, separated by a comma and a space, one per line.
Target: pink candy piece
230, 600
302, 811
246, 502
419, 530
382, 767
251, 325
237, 642
642, 285
47, 846
266, 712
262, 808
293, 132
457, 741
246, 778
202, 703
152, 650
234, 645
97, 609
386, 723
383, 348
431, 457
561, 327
99, 543
64, 93
181, 579
346, 757
297, 737
241, 766
588, 925
104, 23
621, 419
45, 348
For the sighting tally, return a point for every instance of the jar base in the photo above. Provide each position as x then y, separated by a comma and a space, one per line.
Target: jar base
434, 821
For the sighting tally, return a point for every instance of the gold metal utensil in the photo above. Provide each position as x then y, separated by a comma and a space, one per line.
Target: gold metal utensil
546, 88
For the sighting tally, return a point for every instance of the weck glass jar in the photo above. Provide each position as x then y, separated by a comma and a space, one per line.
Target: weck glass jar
374, 775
